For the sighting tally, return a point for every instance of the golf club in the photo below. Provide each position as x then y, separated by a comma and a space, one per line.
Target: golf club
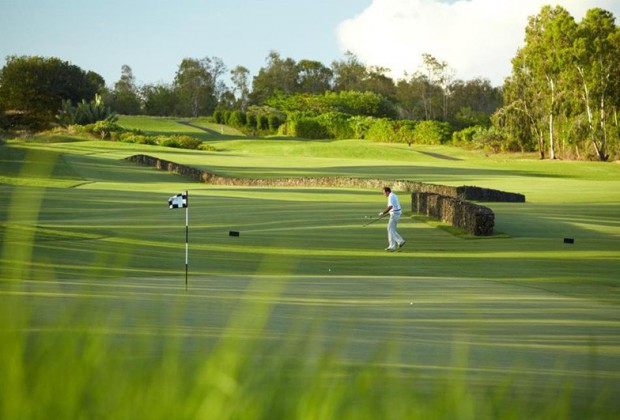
375, 220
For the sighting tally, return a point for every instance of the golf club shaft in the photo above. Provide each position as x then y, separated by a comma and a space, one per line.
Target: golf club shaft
375, 220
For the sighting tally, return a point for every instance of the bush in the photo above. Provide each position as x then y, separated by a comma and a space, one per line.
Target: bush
360, 126
309, 128
218, 117
262, 122
274, 121
432, 132
105, 128
406, 131
491, 140
466, 136
251, 120
237, 119
207, 147
85, 112
131, 137
337, 125
179, 142
382, 129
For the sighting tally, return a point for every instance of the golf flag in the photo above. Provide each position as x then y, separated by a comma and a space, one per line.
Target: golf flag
178, 201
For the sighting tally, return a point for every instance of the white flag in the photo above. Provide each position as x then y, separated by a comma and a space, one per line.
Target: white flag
178, 201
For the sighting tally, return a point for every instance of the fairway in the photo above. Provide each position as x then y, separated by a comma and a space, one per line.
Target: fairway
305, 295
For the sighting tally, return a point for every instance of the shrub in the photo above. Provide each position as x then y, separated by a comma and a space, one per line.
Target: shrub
225, 116
262, 122
85, 112
132, 137
382, 129
251, 120
237, 119
406, 131
432, 132
207, 147
466, 136
218, 117
309, 128
179, 142
491, 140
105, 127
360, 126
274, 121
337, 125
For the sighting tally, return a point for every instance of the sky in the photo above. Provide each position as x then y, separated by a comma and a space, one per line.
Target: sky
476, 38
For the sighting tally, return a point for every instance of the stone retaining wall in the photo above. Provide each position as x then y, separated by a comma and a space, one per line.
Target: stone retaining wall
445, 203
472, 218
462, 193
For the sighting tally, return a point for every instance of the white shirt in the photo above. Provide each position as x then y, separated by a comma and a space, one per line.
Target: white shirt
393, 201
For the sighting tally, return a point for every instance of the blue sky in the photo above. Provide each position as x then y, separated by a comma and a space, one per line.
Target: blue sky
477, 38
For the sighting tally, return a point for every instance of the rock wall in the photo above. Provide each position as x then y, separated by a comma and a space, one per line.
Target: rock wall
442, 202
462, 193
472, 218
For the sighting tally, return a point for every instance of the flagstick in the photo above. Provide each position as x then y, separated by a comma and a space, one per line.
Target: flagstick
186, 238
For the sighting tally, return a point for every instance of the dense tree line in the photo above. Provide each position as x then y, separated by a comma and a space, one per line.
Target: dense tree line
563, 95
32, 89
308, 87
199, 89
560, 100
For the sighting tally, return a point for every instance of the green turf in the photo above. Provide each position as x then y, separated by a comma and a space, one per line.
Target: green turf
305, 302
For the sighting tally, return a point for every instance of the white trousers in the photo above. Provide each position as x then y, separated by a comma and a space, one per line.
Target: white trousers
394, 239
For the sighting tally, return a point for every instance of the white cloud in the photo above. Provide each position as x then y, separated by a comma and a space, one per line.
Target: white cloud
477, 38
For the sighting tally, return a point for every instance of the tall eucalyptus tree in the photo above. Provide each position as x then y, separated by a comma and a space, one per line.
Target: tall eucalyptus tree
197, 86
126, 94
240, 79
597, 56
540, 73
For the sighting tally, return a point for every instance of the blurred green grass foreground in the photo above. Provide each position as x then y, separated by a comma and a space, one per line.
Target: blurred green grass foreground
302, 316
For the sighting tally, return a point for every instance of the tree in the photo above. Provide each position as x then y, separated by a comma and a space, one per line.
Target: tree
376, 81
420, 96
439, 76
540, 86
549, 38
278, 77
349, 74
196, 86
126, 99
160, 100
239, 77
522, 98
313, 77
473, 102
597, 62
565, 82
353, 76
410, 99
36, 87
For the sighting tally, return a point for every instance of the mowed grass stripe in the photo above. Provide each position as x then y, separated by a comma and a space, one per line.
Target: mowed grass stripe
521, 312
438, 313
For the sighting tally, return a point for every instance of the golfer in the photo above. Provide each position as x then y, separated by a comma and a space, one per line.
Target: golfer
395, 241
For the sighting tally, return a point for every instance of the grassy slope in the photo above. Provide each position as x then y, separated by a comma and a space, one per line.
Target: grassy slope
519, 310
